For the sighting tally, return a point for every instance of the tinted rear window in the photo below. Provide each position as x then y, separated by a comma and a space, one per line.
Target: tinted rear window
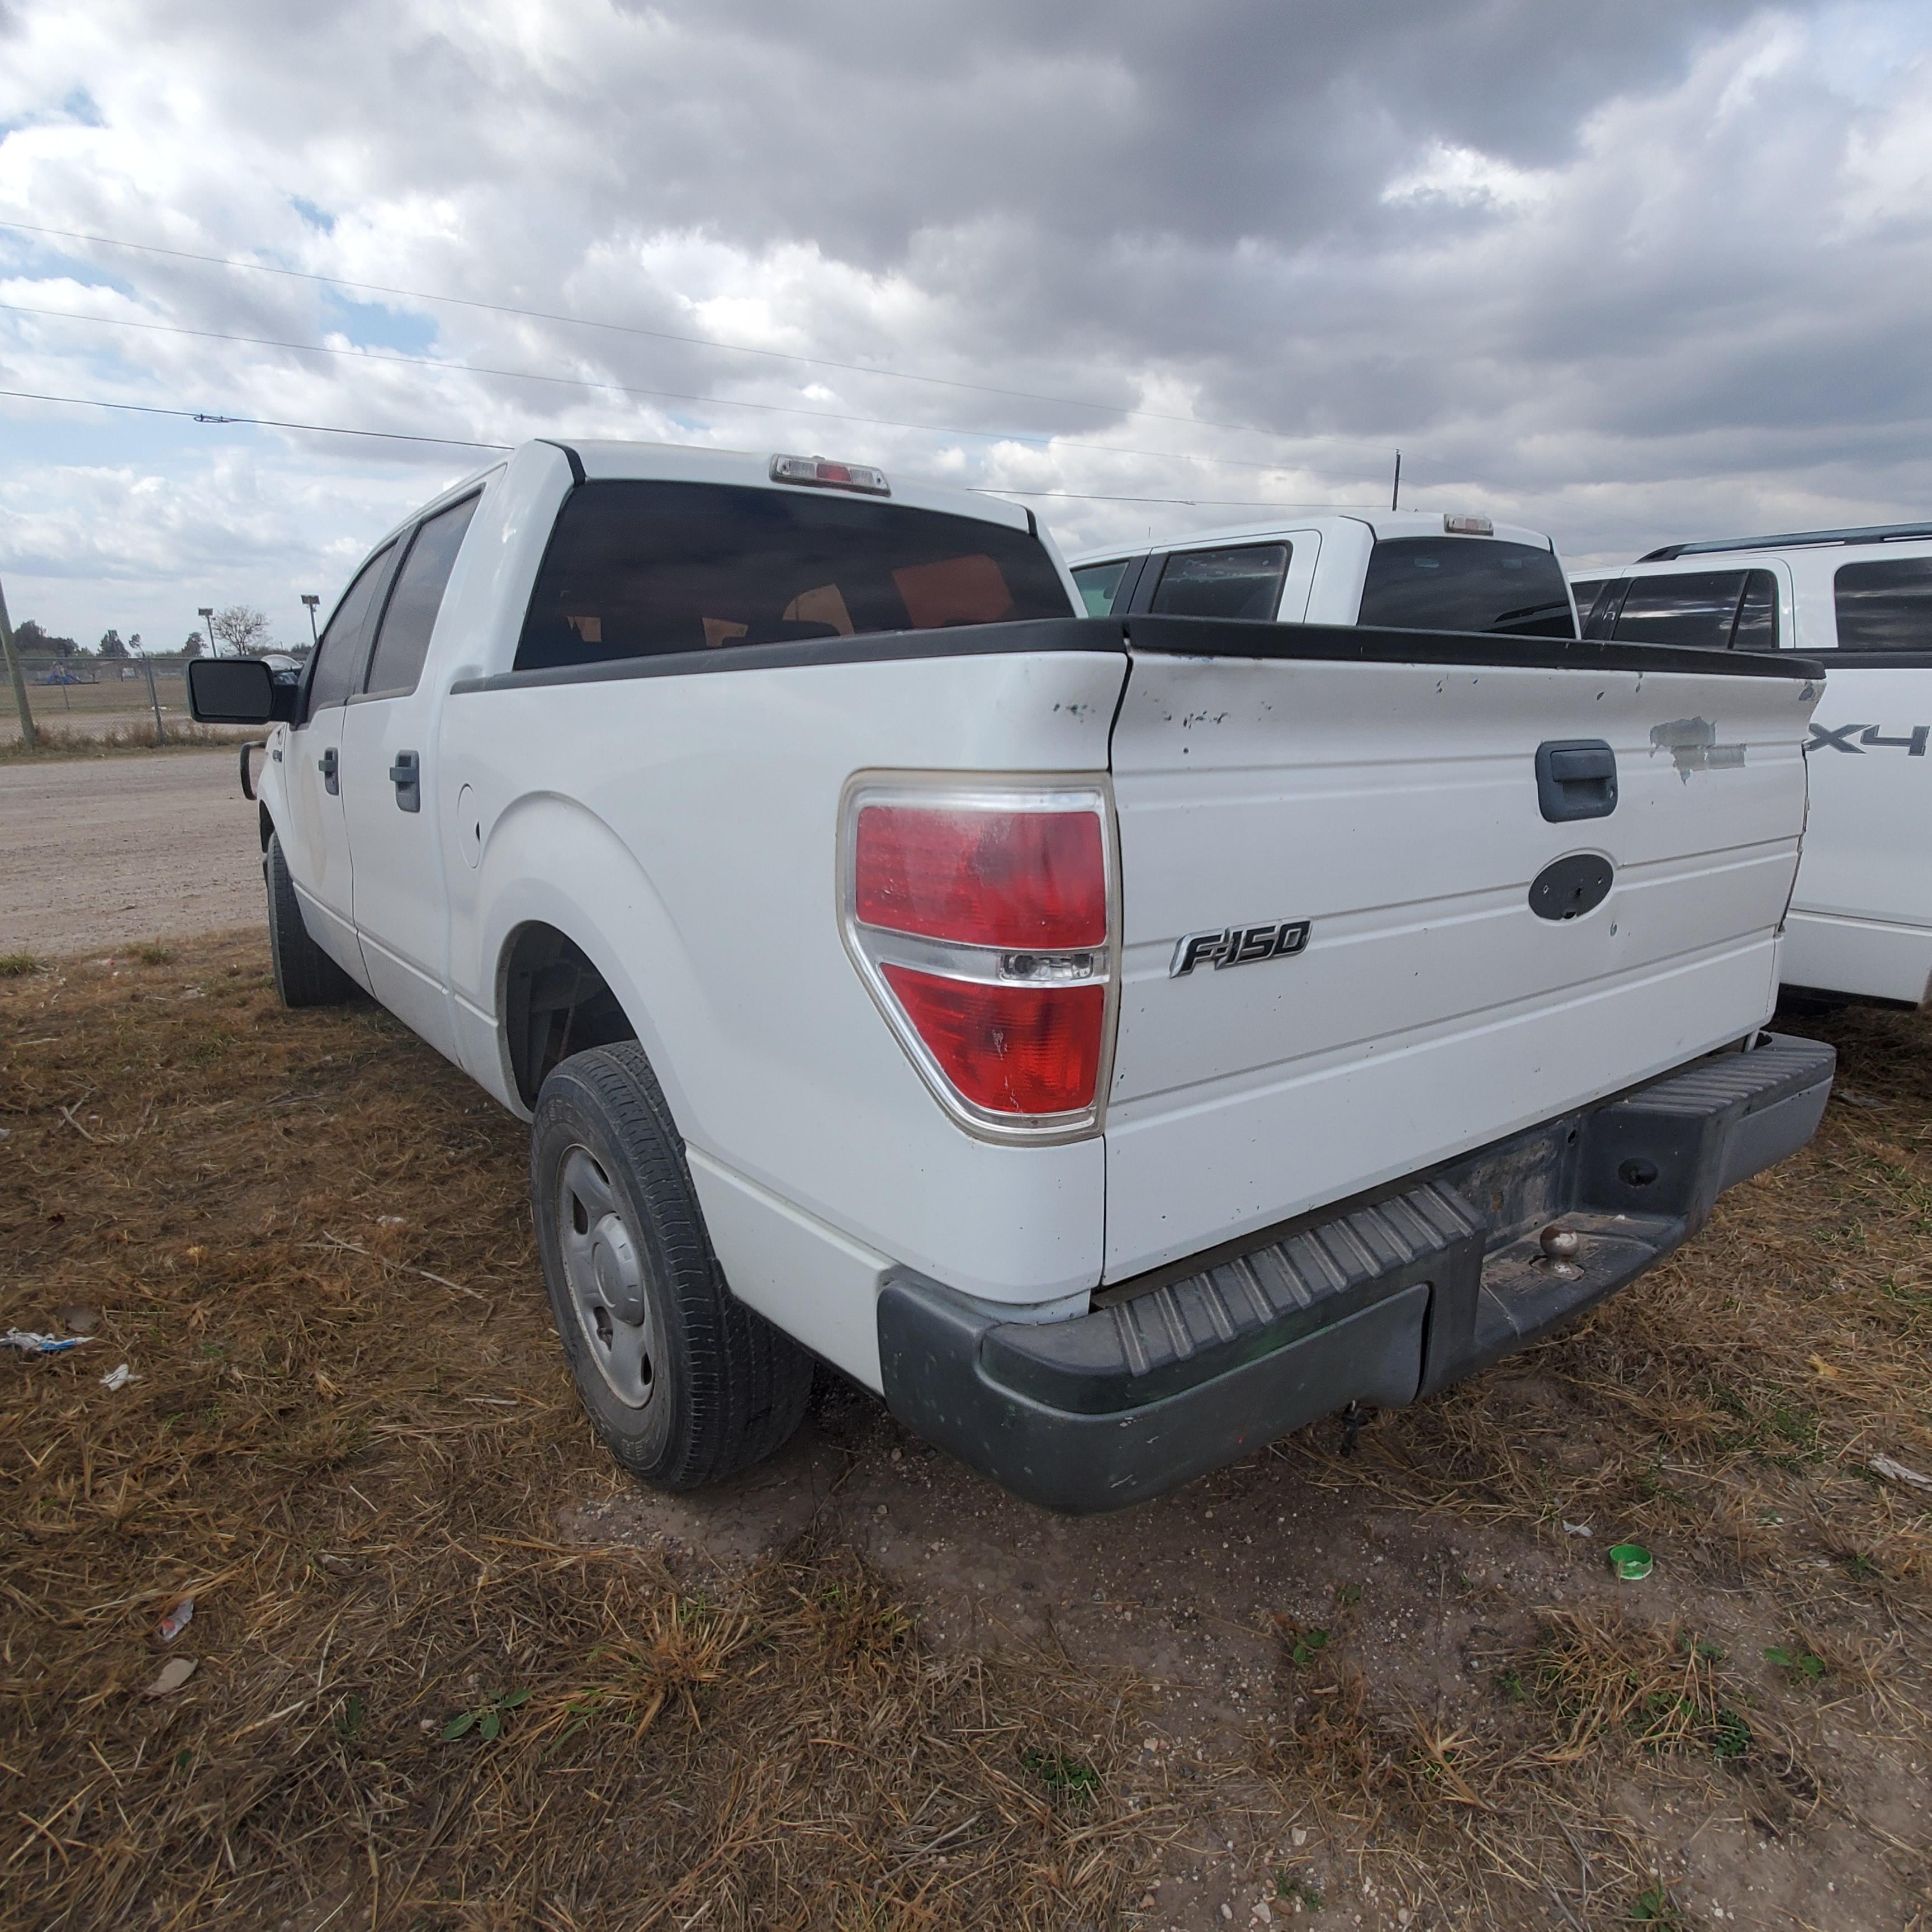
1466, 583
1234, 583
642, 569
1099, 584
1886, 605
403, 642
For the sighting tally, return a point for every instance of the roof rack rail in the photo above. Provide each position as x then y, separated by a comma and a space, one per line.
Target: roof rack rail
1791, 540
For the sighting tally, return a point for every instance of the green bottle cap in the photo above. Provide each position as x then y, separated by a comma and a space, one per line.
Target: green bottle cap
1630, 1562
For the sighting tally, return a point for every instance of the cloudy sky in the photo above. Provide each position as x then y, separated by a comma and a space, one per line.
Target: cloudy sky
1629, 274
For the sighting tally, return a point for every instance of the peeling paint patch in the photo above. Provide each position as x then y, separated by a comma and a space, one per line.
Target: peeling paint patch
1693, 745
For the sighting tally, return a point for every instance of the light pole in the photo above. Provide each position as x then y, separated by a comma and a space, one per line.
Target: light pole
309, 601
208, 618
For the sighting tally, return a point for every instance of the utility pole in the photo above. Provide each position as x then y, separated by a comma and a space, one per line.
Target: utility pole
208, 618
154, 696
1395, 495
14, 671
311, 600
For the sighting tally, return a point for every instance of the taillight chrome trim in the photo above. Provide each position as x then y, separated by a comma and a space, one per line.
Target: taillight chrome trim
871, 948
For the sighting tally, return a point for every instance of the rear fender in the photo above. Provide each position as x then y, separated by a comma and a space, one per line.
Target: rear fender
550, 862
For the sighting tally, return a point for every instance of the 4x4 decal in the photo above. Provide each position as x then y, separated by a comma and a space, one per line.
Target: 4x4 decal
1870, 738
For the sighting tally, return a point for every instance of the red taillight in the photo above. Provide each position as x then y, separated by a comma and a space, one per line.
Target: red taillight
1034, 880
981, 918
1011, 1049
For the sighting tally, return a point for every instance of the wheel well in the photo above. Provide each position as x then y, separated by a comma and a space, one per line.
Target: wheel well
555, 1003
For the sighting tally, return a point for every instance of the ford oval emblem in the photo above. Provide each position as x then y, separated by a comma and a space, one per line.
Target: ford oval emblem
1568, 888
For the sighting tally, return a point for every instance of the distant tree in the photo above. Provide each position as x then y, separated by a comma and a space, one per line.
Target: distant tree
32, 636
192, 646
111, 646
244, 630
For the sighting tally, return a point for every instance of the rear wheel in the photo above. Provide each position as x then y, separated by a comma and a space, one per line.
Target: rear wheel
684, 1383
305, 976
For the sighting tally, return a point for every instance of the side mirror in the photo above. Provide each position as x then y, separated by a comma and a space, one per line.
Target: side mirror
238, 690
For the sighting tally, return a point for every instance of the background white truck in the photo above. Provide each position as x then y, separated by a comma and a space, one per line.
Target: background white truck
1118, 1040
1860, 602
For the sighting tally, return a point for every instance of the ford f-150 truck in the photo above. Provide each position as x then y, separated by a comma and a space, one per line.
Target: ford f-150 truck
1118, 1040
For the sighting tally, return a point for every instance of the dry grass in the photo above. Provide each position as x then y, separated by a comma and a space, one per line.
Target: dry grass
350, 1440
355, 1470
1725, 1415
56, 741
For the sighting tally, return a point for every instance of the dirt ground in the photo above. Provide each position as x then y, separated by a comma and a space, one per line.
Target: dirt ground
453, 1669
97, 852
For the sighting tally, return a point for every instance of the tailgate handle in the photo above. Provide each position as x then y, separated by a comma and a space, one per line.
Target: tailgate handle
1576, 777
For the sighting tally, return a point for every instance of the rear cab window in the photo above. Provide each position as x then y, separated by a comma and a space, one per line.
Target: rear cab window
1466, 583
1885, 604
638, 569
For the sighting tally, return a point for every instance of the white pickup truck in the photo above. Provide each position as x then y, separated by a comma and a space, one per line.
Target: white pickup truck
1860, 601
1118, 1040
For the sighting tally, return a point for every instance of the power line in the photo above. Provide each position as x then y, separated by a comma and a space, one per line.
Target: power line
256, 422
464, 443
631, 329
615, 389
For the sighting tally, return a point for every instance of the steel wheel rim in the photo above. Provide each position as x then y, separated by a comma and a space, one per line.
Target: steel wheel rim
605, 1271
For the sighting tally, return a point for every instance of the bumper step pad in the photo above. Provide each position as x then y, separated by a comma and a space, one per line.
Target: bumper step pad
1378, 1301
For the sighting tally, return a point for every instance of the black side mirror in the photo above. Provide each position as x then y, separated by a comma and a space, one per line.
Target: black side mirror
238, 691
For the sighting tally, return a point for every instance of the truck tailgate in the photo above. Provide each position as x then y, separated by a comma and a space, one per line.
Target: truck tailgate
1382, 787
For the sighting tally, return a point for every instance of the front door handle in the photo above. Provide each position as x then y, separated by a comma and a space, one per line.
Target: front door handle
1576, 777
331, 774
406, 775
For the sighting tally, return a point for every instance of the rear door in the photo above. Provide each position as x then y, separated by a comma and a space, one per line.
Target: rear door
1371, 800
316, 842
389, 756
1868, 851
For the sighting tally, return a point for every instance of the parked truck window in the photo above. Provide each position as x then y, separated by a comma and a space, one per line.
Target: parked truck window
639, 569
1466, 583
1243, 583
1884, 605
1702, 610
403, 641
1099, 584
338, 657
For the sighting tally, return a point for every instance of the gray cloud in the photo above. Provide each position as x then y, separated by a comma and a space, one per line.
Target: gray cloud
1630, 273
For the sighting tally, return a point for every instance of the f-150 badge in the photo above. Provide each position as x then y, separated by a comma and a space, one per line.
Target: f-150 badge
1239, 946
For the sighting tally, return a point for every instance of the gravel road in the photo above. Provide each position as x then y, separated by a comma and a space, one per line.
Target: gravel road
104, 852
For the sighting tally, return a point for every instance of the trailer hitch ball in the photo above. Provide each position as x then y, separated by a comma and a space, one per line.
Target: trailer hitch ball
1560, 1244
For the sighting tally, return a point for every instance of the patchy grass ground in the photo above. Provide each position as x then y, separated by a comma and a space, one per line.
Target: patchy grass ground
1392, 1689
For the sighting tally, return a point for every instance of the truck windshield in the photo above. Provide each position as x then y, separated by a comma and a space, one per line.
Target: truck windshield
638, 569
1466, 583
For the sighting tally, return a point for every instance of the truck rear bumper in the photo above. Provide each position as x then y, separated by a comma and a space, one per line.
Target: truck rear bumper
1379, 1301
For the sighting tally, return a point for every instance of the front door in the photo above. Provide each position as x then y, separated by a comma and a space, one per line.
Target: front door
389, 755
316, 840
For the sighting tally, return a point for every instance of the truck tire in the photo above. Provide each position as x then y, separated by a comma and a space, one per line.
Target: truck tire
684, 1383
305, 976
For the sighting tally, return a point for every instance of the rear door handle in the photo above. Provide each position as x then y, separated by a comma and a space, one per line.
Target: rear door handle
330, 770
406, 775
1576, 777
